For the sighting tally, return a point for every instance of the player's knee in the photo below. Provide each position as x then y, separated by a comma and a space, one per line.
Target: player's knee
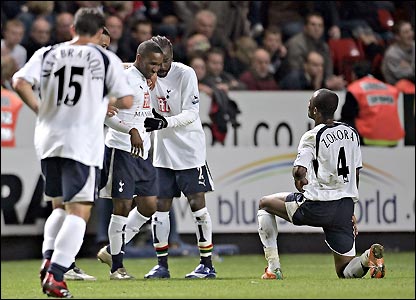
196, 202
163, 205
152, 206
121, 208
148, 207
263, 203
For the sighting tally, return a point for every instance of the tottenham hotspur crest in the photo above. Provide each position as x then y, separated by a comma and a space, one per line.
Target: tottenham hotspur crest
121, 184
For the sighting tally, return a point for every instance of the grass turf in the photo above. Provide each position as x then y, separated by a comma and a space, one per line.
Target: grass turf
307, 276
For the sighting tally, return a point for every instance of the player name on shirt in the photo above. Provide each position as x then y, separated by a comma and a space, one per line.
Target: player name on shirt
93, 64
336, 135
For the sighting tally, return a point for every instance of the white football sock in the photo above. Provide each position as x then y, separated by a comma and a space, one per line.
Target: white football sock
268, 235
69, 240
135, 220
116, 233
354, 269
203, 223
52, 226
160, 231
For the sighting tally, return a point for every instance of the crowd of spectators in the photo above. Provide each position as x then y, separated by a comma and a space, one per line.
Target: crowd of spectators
252, 45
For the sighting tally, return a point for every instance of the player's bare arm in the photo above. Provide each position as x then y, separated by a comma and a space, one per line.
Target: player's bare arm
137, 147
124, 102
24, 90
299, 174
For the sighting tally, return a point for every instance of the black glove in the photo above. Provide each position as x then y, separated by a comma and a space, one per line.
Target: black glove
156, 123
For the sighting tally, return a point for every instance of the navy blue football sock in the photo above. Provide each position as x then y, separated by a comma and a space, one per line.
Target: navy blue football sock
117, 262
163, 261
206, 261
57, 271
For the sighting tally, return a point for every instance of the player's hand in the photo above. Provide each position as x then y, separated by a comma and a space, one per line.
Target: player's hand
156, 123
137, 148
354, 225
111, 111
300, 183
151, 82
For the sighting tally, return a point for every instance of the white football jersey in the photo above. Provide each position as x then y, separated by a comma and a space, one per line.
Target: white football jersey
73, 81
133, 117
182, 144
331, 155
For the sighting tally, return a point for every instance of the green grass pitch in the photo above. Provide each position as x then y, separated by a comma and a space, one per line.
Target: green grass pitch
307, 276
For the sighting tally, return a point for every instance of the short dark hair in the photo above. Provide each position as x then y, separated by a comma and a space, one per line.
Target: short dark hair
362, 68
272, 29
88, 21
147, 47
312, 14
216, 50
326, 102
398, 26
138, 22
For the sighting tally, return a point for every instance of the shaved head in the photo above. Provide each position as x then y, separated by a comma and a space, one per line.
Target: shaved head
325, 101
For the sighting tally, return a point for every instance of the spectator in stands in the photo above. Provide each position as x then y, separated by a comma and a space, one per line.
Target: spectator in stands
258, 77
13, 33
272, 42
8, 68
216, 74
62, 28
205, 22
399, 58
241, 56
118, 41
329, 12
197, 62
373, 49
223, 110
33, 10
141, 30
311, 77
371, 107
10, 103
195, 43
288, 15
231, 17
311, 39
40, 36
